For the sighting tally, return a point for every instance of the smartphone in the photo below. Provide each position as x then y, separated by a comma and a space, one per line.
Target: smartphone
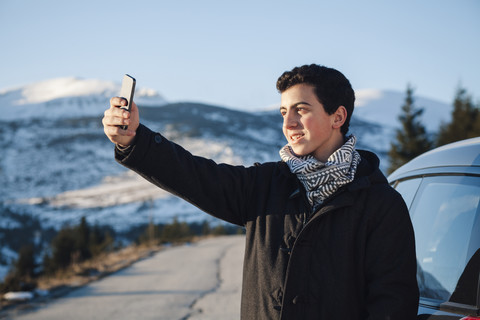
127, 91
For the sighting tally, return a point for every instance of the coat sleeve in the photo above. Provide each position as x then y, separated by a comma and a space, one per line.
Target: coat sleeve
392, 290
219, 189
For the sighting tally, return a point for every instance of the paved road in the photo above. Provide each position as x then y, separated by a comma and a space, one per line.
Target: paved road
200, 281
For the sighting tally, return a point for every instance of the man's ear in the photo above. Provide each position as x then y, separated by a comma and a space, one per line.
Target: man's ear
339, 117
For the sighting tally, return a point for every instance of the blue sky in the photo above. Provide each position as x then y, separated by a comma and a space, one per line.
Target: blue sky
231, 52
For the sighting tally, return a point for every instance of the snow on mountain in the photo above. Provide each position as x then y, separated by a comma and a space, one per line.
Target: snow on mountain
59, 88
66, 97
384, 107
57, 165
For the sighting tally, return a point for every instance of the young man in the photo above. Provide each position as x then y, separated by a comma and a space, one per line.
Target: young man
326, 236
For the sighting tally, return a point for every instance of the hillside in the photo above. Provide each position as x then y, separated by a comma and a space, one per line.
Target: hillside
57, 165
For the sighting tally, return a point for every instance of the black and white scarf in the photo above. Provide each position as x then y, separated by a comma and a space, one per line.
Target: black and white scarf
320, 179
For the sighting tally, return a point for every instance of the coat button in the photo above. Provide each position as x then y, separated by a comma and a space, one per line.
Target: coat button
158, 138
286, 250
297, 300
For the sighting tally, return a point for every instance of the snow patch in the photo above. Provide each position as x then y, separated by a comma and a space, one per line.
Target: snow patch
62, 166
59, 88
18, 296
384, 108
67, 98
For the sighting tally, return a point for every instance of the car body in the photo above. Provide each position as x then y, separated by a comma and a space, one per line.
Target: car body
442, 191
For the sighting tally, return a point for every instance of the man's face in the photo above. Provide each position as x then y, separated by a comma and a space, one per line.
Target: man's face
306, 125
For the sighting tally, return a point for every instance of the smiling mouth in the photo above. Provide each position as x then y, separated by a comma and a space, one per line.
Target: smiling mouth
295, 137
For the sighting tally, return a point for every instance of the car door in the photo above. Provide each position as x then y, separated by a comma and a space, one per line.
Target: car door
445, 215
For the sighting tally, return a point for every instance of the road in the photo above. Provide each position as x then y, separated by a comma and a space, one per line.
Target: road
200, 281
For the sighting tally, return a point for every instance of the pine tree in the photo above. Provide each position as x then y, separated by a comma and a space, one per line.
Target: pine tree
63, 245
476, 125
206, 228
25, 265
176, 232
464, 122
82, 239
412, 140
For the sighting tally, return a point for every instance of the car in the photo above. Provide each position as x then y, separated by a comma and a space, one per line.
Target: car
442, 191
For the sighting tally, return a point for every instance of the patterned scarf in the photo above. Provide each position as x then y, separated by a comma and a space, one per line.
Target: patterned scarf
321, 180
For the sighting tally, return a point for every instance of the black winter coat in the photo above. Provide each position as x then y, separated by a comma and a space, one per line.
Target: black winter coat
352, 259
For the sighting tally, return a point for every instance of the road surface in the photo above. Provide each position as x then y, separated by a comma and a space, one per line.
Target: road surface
194, 282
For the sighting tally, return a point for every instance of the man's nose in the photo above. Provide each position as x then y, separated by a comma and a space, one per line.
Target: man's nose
289, 120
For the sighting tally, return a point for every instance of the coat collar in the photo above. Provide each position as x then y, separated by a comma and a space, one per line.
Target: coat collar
368, 173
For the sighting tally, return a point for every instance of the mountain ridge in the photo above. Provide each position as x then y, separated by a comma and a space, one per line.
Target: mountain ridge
57, 165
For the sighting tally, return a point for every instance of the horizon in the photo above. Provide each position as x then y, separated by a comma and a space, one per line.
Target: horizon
231, 54
31, 93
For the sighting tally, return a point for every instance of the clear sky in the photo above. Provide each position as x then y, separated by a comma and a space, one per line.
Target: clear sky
232, 52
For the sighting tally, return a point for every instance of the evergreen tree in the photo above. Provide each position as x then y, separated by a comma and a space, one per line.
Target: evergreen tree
100, 241
411, 139
63, 246
176, 232
11, 283
464, 122
151, 232
219, 230
48, 265
476, 125
77, 244
25, 265
82, 239
205, 228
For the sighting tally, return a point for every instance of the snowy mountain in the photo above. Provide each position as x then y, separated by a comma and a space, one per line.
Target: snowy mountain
385, 107
65, 98
57, 165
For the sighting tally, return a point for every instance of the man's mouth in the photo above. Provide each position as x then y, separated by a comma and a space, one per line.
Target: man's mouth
295, 137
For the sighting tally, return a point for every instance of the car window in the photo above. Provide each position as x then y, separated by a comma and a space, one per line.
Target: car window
444, 213
408, 189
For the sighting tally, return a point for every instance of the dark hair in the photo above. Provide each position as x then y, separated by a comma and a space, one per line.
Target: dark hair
332, 88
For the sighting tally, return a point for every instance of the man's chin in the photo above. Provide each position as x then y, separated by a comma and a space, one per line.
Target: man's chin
300, 152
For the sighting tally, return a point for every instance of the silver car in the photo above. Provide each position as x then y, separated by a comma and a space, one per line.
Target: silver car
442, 190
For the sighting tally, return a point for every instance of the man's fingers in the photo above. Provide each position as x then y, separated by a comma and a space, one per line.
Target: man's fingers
112, 131
115, 110
109, 120
118, 101
111, 125
118, 112
119, 136
115, 116
115, 131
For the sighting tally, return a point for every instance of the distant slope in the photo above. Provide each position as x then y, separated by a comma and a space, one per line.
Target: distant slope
384, 107
57, 163
66, 97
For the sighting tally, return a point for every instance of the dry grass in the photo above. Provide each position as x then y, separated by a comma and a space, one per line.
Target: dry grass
93, 269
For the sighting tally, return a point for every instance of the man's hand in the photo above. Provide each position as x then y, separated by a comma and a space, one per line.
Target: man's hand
115, 117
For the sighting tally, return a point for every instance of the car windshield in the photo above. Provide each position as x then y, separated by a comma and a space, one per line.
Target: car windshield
444, 214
